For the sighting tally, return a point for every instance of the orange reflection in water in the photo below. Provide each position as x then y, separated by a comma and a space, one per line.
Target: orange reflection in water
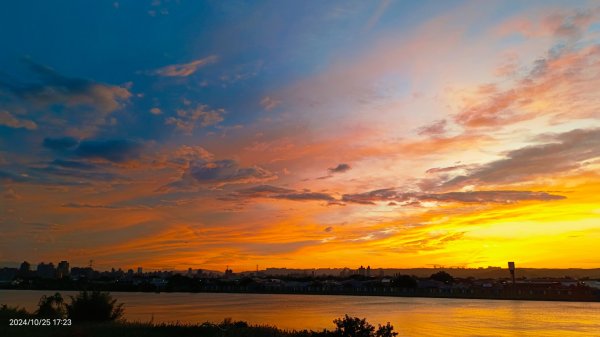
410, 316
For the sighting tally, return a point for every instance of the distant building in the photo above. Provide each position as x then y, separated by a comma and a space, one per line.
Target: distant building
81, 272
228, 272
345, 272
140, 271
46, 270
63, 269
362, 271
25, 268
368, 271
8, 274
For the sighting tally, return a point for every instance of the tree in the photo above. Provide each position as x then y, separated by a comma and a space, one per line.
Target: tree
94, 306
404, 281
51, 307
385, 331
442, 276
7, 312
353, 327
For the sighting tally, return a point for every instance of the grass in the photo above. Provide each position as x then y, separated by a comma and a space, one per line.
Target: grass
132, 329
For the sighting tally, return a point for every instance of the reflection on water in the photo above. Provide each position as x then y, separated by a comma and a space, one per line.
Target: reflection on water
410, 316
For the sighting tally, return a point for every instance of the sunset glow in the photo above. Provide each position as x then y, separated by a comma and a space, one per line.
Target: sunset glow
176, 134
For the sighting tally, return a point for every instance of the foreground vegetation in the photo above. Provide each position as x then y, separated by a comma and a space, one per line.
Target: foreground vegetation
97, 314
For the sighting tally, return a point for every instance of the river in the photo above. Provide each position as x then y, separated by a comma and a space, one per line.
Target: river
410, 316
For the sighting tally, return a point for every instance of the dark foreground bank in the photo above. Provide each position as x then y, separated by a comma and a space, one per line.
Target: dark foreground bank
348, 327
98, 314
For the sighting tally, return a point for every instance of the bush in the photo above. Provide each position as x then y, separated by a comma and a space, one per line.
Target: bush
404, 281
386, 331
353, 327
442, 276
356, 327
51, 307
94, 306
7, 312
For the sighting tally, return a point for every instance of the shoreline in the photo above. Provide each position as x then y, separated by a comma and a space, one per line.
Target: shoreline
406, 294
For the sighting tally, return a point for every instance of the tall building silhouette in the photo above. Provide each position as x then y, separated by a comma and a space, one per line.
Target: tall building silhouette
62, 270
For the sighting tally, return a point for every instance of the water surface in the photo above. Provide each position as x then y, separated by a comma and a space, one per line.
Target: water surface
410, 316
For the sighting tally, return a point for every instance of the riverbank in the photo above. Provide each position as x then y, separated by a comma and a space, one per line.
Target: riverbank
129, 329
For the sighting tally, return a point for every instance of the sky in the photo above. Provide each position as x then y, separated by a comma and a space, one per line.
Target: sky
300, 134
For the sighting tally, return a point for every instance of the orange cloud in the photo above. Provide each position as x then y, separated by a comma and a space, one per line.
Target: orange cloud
185, 69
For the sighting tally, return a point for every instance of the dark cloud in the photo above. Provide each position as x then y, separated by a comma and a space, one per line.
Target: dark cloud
570, 25
340, 168
305, 196
273, 192
71, 164
223, 171
436, 128
371, 196
57, 175
59, 144
56, 89
218, 173
262, 191
114, 150
48, 174
566, 152
392, 197
489, 196
78, 205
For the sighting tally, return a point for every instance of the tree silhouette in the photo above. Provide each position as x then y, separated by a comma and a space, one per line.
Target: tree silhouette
94, 306
442, 276
404, 281
51, 307
353, 327
385, 331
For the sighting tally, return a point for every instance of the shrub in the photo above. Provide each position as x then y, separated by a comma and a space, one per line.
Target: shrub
356, 327
386, 331
7, 312
51, 307
353, 327
442, 276
94, 306
404, 281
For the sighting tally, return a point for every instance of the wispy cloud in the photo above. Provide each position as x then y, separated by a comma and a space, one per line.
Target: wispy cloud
185, 69
566, 152
274, 192
219, 173
409, 198
188, 119
7, 119
55, 88
340, 168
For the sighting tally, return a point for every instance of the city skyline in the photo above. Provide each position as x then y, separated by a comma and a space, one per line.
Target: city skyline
180, 134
